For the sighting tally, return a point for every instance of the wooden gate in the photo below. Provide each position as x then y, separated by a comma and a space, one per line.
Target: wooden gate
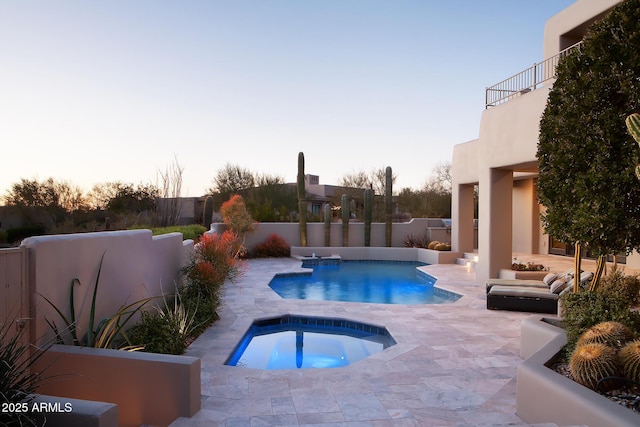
14, 290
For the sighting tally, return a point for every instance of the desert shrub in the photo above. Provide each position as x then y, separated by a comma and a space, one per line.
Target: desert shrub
585, 309
157, 334
432, 245
274, 246
412, 241
214, 261
529, 266
616, 282
235, 214
18, 380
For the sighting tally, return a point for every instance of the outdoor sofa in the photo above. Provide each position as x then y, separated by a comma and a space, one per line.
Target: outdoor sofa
537, 296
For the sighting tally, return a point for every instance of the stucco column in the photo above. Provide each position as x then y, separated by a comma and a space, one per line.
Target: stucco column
526, 214
494, 223
462, 218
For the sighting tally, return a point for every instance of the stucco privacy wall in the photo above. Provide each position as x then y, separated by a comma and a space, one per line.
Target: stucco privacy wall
315, 233
135, 265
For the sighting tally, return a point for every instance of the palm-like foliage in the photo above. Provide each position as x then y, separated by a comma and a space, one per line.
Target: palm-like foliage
18, 380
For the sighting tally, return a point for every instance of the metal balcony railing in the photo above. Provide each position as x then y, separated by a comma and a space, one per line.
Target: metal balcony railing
525, 81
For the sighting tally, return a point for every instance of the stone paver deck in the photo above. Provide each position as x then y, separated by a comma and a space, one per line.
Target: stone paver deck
453, 364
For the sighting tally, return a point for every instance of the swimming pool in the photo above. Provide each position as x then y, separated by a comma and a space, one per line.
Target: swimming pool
298, 342
382, 282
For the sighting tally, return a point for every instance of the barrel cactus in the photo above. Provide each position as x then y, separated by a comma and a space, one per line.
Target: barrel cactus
368, 200
388, 204
613, 334
327, 224
633, 126
630, 360
345, 219
302, 200
592, 362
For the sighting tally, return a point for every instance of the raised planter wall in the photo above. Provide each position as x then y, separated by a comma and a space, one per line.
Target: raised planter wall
525, 275
427, 256
148, 388
544, 396
83, 413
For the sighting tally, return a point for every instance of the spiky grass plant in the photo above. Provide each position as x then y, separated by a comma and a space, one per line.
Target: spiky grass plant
18, 379
593, 362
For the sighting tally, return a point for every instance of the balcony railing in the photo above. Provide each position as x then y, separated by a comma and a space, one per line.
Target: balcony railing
525, 81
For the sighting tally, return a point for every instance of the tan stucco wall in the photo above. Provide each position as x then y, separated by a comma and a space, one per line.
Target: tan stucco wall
136, 265
149, 389
570, 18
315, 233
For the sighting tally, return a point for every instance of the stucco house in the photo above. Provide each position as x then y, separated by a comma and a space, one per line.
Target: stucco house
502, 161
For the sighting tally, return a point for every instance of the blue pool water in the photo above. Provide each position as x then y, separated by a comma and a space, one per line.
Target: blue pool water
298, 342
359, 281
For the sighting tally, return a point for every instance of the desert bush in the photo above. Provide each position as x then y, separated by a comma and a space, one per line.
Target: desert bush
158, 334
274, 246
166, 330
585, 309
18, 379
627, 286
412, 241
235, 214
214, 261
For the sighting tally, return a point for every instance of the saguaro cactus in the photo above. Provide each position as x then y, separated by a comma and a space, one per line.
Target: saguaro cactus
633, 126
327, 224
388, 205
368, 198
345, 219
302, 201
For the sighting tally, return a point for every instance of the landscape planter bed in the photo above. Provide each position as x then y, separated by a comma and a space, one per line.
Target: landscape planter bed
545, 396
148, 388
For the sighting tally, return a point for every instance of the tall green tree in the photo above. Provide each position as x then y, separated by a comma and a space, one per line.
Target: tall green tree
130, 199
231, 179
53, 200
586, 156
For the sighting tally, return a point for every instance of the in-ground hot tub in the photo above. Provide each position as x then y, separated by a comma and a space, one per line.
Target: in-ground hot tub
294, 342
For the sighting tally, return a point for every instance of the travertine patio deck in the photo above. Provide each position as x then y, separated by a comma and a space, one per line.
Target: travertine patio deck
453, 364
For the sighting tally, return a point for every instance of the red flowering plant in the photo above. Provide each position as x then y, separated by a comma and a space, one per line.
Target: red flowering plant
237, 218
216, 259
273, 246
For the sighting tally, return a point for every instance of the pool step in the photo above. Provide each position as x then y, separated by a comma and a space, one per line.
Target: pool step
470, 260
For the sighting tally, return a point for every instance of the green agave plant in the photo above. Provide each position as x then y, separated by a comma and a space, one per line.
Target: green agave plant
108, 330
